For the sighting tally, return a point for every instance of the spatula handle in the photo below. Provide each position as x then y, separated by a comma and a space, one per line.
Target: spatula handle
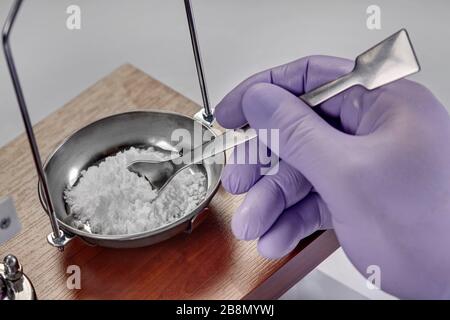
221, 143
329, 90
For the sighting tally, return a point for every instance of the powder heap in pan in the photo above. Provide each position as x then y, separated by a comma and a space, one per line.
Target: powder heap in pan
111, 200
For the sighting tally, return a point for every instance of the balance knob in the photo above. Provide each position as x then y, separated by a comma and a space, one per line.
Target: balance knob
13, 269
14, 284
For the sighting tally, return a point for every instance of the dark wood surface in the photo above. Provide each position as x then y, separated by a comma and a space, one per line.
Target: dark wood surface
207, 264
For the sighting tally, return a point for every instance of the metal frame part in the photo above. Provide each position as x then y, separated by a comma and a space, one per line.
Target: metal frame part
206, 116
56, 235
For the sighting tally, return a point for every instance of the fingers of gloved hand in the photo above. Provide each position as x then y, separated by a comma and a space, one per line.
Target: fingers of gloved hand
243, 168
228, 112
293, 225
305, 140
297, 77
267, 199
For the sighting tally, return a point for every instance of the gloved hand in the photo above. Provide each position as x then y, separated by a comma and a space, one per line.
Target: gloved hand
380, 175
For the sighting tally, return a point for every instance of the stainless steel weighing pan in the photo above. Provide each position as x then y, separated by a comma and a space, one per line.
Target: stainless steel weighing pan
106, 137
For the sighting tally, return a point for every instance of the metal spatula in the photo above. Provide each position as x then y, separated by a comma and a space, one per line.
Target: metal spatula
390, 60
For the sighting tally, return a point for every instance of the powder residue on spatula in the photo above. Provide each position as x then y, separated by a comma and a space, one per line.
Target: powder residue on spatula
114, 201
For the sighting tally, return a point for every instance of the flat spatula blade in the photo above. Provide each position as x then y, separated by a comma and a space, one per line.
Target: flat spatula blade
392, 59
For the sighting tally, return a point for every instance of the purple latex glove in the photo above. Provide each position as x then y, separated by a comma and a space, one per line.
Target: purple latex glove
380, 178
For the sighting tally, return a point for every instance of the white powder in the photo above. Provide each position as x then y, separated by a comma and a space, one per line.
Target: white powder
114, 201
